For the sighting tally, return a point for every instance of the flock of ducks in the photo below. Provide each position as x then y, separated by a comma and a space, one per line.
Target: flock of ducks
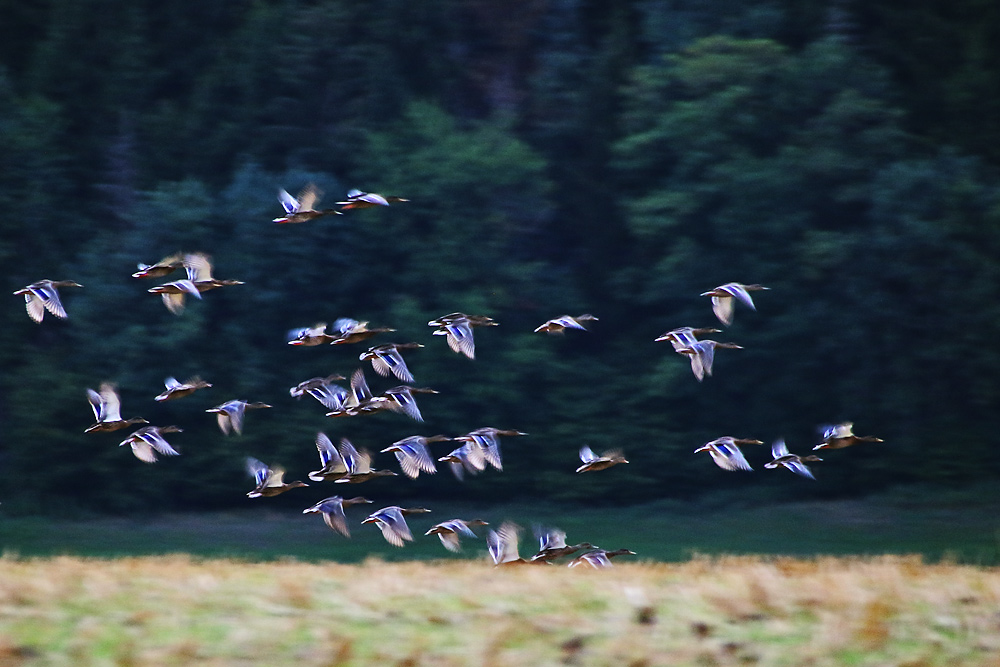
345, 464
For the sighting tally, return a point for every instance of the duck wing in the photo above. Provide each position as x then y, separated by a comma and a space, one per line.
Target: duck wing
358, 463
258, 470
460, 338
401, 400
198, 266
154, 439
329, 458
308, 197
388, 361
722, 306
798, 468
110, 404
34, 305
420, 455
288, 202
96, 404
779, 448
333, 516
729, 457
738, 291
393, 525
49, 297
234, 411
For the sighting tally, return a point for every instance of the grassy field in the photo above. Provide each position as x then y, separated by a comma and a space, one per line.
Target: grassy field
707, 611
887, 581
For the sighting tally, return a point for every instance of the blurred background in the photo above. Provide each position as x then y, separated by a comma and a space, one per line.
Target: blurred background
560, 157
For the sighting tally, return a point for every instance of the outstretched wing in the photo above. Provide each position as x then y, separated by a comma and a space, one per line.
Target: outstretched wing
779, 448
798, 468
729, 457
142, 450
390, 361
328, 453
739, 292
288, 202
96, 404
258, 470
34, 305
110, 404
157, 442
49, 297
333, 516
722, 306
460, 339
308, 197
393, 526
402, 401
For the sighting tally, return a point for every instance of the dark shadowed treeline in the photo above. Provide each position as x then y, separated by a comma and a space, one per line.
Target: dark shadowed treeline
561, 156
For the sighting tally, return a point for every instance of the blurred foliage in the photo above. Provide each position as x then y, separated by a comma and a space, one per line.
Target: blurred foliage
562, 156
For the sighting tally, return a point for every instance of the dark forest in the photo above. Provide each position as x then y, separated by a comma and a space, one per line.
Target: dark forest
559, 157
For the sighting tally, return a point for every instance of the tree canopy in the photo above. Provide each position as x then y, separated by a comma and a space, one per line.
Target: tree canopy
559, 156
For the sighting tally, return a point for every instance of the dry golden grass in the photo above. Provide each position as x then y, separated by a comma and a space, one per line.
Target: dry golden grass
178, 610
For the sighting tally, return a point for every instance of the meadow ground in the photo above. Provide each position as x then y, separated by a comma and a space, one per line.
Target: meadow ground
888, 581
707, 611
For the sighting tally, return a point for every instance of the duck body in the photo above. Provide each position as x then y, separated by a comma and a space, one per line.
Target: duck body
392, 522
330, 395
359, 400
175, 389
487, 439
400, 399
723, 299
164, 267
106, 405
356, 199
358, 464
310, 336
552, 545
559, 324
149, 440
593, 463
599, 558
781, 457
450, 531
387, 360
682, 337
468, 458
726, 453
301, 209
842, 435
457, 329
347, 330
199, 279
173, 294
230, 414
332, 463
270, 481
199, 269
702, 355
503, 543
332, 509
414, 455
